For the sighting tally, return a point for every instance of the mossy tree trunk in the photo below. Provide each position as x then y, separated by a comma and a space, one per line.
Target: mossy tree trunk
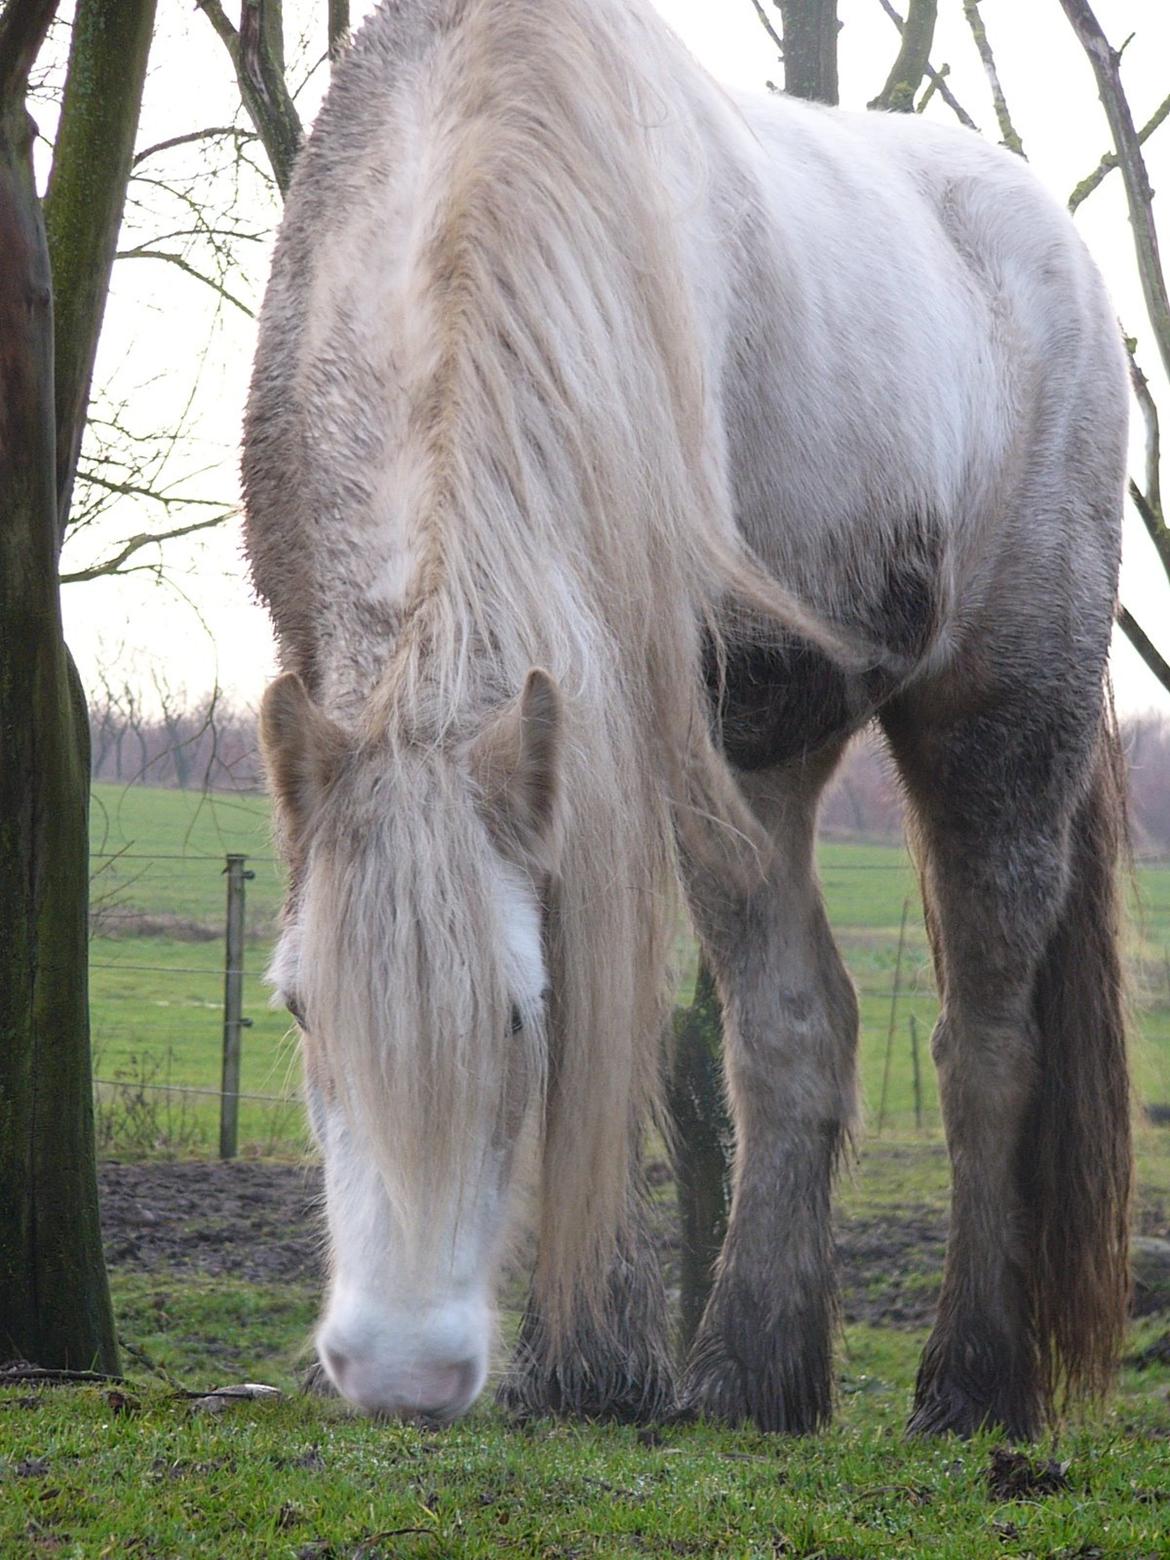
702, 1146
54, 1296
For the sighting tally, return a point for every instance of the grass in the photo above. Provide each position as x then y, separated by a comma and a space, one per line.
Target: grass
90, 1473
157, 1000
138, 1471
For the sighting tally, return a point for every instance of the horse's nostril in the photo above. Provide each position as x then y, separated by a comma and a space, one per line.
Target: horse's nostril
440, 1391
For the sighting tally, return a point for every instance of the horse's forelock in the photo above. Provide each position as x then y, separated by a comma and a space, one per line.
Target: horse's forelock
404, 973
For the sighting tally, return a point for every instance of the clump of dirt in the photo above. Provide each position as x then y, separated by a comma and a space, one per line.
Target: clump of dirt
1014, 1476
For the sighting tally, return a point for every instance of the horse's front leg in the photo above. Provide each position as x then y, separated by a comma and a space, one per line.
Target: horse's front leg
763, 1351
613, 1365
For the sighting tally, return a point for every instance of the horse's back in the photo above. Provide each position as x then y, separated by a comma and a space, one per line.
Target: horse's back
918, 308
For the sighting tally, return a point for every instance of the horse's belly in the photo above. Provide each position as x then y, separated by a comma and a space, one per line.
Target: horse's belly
773, 703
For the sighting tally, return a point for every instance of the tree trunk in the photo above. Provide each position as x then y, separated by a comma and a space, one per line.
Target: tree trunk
810, 48
54, 1298
702, 1144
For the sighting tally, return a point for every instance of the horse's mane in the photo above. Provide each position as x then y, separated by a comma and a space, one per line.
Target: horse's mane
567, 508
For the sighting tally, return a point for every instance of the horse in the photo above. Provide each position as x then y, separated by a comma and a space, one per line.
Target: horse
616, 449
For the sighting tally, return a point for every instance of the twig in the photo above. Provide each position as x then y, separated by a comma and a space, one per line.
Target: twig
136, 544
1142, 643
188, 269
1088, 184
1106, 63
1149, 409
1007, 130
935, 77
768, 28
225, 132
1155, 525
20, 1371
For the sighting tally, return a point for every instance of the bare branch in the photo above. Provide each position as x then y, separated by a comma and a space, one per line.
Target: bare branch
913, 59
1087, 185
1007, 130
768, 28
1144, 646
935, 77
1149, 410
219, 133
144, 253
260, 75
218, 18
136, 543
23, 25
1154, 523
1138, 193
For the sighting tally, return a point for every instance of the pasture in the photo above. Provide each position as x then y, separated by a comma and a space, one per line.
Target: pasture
157, 970
216, 1276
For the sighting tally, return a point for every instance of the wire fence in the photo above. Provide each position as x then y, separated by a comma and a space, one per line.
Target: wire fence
190, 1058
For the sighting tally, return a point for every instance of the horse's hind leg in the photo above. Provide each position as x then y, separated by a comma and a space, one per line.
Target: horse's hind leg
615, 1365
763, 1351
1017, 826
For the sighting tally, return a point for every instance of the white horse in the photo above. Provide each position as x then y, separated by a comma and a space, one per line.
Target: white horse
616, 449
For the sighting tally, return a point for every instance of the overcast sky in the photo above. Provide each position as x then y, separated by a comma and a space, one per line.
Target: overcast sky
202, 626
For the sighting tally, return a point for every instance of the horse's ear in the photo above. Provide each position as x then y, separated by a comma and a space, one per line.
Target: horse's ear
302, 750
516, 762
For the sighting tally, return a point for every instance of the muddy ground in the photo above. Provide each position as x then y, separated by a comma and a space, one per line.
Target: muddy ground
259, 1222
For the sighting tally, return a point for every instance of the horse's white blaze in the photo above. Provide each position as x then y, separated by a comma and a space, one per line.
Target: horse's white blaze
520, 919
404, 1333
396, 1339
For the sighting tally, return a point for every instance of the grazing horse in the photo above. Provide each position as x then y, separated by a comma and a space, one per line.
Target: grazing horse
616, 449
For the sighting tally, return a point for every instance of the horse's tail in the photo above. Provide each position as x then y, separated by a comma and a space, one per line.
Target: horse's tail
1076, 1165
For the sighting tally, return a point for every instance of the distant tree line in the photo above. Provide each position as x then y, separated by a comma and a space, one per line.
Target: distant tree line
210, 744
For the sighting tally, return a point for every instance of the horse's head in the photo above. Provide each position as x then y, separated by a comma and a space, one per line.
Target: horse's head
413, 961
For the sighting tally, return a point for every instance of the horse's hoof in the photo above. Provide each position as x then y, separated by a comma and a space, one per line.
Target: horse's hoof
944, 1408
568, 1393
779, 1396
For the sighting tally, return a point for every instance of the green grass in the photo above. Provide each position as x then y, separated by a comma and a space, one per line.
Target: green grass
157, 1000
87, 1474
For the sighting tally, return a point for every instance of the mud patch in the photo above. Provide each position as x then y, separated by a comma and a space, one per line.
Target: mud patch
260, 1221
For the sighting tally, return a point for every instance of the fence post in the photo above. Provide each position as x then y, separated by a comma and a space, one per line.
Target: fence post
234, 1021
917, 1073
881, 1121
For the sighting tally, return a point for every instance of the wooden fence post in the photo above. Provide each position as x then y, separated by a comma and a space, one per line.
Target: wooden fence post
234, 1021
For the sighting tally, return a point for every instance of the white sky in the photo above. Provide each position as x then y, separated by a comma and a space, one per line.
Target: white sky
202, 625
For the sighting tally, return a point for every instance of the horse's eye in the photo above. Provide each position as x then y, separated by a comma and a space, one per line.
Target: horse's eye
517, 1019
294, 1007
